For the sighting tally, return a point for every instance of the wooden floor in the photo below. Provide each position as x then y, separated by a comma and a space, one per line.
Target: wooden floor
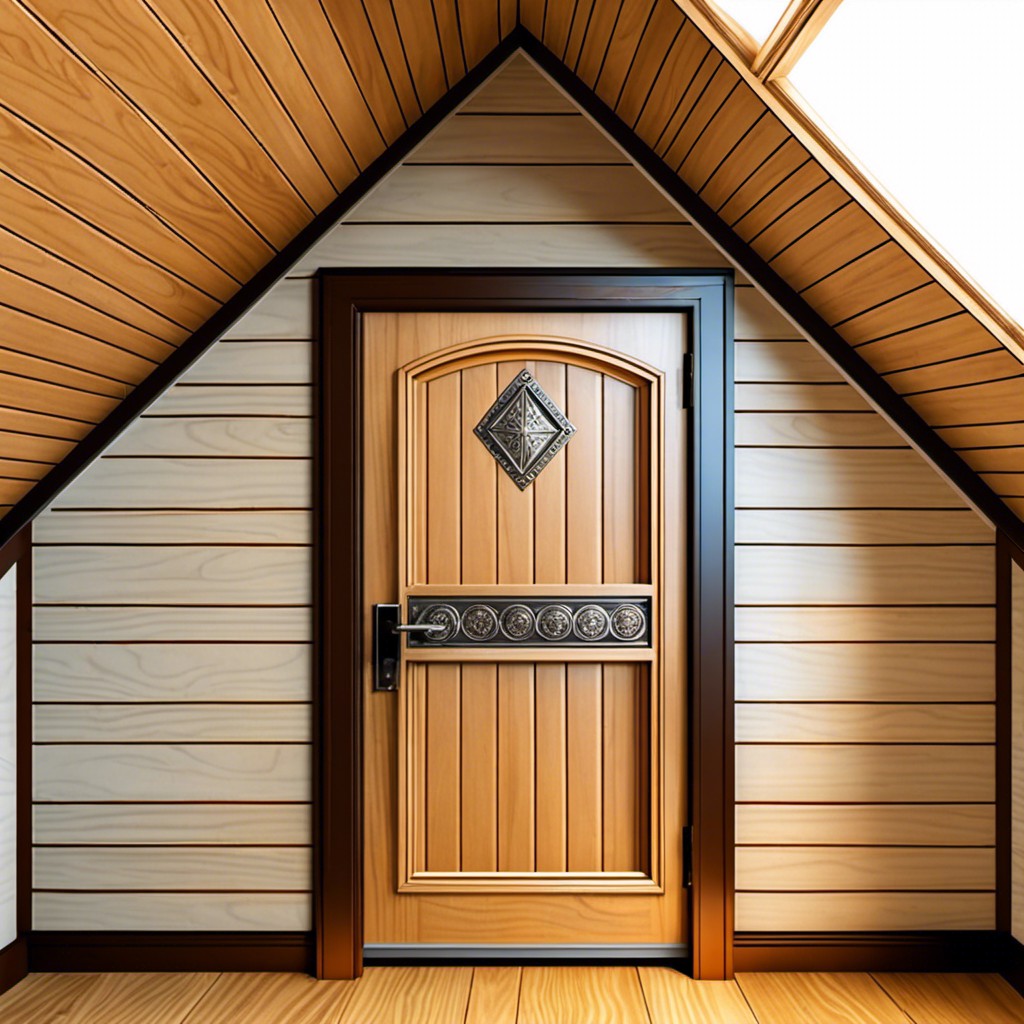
512, 995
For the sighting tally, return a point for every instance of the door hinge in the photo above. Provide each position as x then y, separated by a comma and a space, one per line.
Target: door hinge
687, 856
687, 388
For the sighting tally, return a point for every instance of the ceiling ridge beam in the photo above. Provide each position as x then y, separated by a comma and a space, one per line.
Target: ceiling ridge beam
801, 21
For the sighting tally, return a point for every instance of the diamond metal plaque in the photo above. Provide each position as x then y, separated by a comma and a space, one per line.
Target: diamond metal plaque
524, 430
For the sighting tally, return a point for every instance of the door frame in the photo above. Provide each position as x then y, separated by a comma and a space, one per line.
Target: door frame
342, 299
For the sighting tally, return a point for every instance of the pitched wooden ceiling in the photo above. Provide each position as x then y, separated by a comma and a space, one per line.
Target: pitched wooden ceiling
158, 153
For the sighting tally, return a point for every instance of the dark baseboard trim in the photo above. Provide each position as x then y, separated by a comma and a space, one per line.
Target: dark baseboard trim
171, 951
1012, 965
870, 951
13, 964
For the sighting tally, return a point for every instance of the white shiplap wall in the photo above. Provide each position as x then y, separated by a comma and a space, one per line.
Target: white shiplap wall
8, 759
172, 621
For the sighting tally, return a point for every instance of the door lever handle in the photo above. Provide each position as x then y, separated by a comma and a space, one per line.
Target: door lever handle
387, 643
418, 627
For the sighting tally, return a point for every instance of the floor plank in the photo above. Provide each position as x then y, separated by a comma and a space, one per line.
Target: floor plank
954, 998
819, 999
400, 995
281, 998
581, 995
673, 998
494, 997
46, 998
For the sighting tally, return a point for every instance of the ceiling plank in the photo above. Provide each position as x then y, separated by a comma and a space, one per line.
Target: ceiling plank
801, 21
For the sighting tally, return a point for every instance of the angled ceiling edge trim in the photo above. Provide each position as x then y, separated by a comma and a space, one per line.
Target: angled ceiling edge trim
779, 95
150, 389
849, 361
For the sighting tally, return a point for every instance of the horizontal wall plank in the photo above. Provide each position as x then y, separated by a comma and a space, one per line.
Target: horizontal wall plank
105, 911
172, 723
840, 478
141, 527
109, 772
517, 139
239, 437
234, 400
778, 722
798, 398
172, 824
861, 526
71, 623
876, 825
814, 430
510, 245
846, 868
519, 87
253, 362
787, 362
541, 195
757, 319
190, 483
171, 672
817, 773
96, 574
864, 575
227, 870
891, 911
792, 625
865, 672
286, 311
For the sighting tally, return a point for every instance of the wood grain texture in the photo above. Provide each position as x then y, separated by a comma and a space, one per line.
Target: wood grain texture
222, 870
954, 998
671, 996
816, 773
809, 998
872, 624
171, 911
162, 673
394, 995
207, 824
856, 868
609, 994
877, 825
494, 996
288, 998
861, 526
854, 911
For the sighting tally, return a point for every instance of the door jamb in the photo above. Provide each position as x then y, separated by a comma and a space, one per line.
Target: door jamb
342, 298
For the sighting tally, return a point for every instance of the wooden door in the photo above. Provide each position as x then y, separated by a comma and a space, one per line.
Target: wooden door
525, 787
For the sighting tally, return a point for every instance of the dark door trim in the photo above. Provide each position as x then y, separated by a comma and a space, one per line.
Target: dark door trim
339, 657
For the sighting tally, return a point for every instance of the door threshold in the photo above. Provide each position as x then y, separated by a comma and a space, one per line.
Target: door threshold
482, 953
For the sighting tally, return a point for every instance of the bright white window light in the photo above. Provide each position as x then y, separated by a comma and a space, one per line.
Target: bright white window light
758, 17
927, 96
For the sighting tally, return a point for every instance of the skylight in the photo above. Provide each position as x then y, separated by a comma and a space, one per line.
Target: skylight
758, 17
927, 96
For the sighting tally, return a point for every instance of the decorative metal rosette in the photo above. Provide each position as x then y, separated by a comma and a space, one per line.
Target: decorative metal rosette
554, 622
443, 615
628, 622
517, 622
591, 623
480, 623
